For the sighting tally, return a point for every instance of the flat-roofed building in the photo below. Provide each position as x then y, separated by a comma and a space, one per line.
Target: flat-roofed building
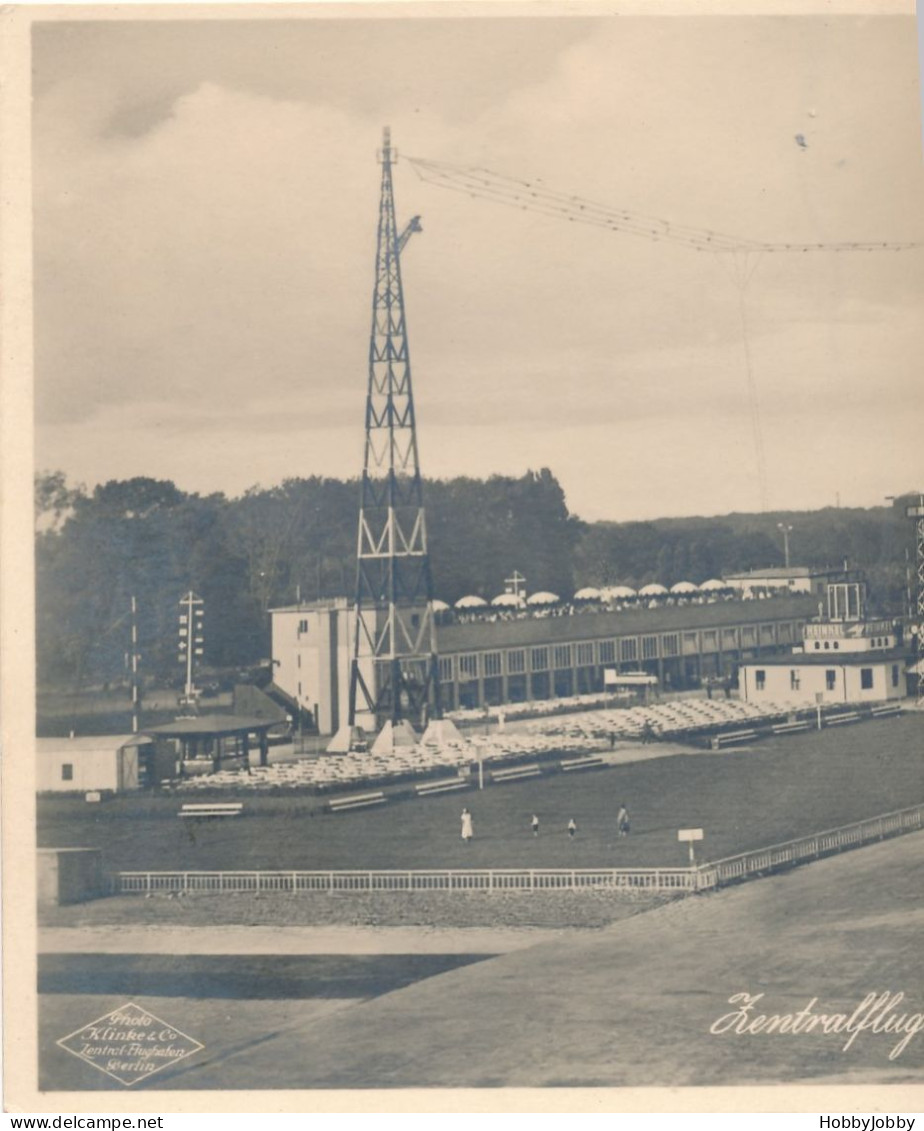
792, 579
112, 763
493, 660
842, 658
312, 653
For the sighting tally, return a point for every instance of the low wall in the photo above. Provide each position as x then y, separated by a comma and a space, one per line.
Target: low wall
69, 875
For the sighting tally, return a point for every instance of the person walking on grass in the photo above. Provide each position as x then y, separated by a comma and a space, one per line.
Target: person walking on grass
572, 828
467, 830
622, 820
535, 825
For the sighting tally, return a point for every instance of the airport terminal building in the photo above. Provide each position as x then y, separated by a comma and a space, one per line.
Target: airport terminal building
492, 661
843, 657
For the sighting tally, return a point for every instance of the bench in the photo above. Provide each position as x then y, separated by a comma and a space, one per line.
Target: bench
442, 786
212, 809
790, 728
357, 801
836, 720
730, 737
514, 774
581, 764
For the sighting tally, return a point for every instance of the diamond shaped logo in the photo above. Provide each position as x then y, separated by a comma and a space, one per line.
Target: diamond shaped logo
130, 1044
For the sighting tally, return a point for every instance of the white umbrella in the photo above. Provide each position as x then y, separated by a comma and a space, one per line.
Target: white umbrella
713, 585
620, 591
471, 602
588, 594
508, 601
439, 606
652, 590
543, 598
684, 587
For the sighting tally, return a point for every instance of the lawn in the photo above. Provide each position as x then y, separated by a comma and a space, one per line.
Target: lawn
743, 799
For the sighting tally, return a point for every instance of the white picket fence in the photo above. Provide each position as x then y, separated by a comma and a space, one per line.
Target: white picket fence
439, 879
814, 847
678, 881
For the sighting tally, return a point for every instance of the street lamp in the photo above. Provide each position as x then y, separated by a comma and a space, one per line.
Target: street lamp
787, 530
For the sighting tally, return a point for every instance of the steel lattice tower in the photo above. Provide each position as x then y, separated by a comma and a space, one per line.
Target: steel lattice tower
917, 513
394, 674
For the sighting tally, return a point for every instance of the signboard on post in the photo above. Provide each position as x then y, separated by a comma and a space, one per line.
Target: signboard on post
691, 836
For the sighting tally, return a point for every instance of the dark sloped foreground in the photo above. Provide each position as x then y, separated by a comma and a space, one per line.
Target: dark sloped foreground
633, 1005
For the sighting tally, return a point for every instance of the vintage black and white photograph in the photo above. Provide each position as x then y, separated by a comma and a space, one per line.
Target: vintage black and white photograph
479, 550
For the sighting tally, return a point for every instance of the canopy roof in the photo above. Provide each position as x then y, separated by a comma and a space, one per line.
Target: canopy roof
213, 725
84, 743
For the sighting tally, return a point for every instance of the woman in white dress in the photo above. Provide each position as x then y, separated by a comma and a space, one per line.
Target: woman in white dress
467, 831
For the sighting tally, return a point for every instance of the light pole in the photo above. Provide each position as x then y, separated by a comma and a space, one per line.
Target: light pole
135, 697
787, 530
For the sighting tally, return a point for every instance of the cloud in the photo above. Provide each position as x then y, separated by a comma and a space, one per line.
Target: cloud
205, 234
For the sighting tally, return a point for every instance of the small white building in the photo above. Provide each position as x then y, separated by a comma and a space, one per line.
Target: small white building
91, 763
843, 659
848, 678
791, 579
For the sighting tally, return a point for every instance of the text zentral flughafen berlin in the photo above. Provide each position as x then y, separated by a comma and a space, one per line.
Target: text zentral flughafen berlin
876, 1013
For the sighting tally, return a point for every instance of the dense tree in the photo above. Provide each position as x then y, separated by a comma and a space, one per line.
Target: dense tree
269, 547
146, 539
54, 500
481, 530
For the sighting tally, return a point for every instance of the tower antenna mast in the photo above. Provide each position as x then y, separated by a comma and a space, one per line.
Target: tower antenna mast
394, 675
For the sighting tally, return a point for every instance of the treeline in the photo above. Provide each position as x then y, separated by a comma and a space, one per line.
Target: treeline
148, 539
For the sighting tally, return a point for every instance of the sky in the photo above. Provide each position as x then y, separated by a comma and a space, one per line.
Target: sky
205, 207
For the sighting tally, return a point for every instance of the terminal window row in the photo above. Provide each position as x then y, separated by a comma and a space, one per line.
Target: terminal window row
626, 650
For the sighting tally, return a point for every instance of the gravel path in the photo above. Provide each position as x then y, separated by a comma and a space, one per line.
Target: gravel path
287, 940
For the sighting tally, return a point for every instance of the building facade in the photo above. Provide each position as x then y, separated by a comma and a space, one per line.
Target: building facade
312, 653
842, 658
791, 579
848, 678
111, 763
495, 661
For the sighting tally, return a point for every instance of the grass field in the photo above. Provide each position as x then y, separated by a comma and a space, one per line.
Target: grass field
774, 791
